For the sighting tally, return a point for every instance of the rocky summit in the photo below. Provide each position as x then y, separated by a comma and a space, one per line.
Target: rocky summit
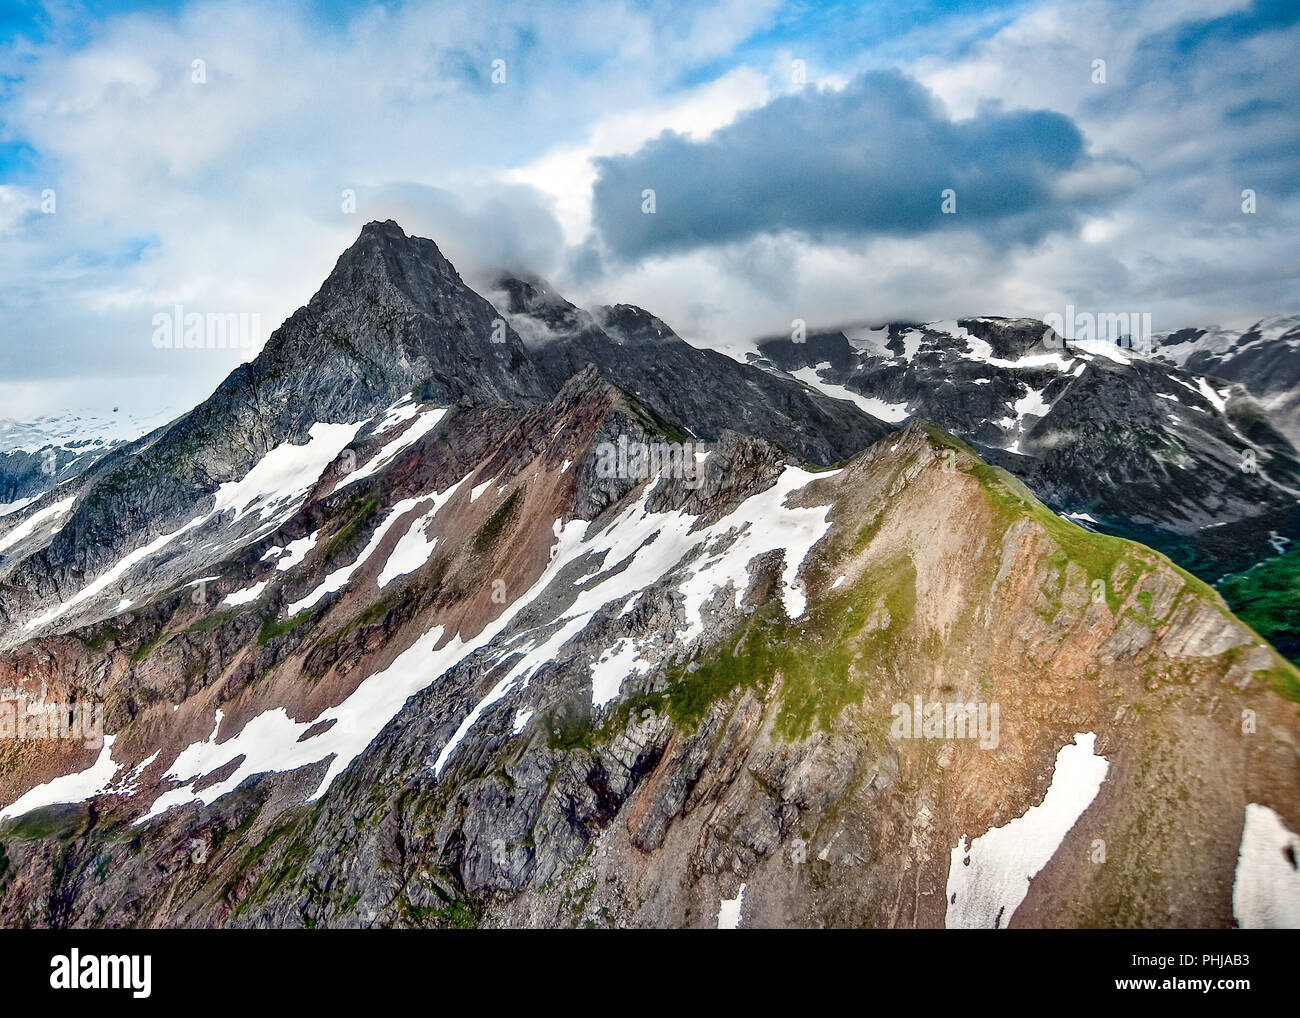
453, 609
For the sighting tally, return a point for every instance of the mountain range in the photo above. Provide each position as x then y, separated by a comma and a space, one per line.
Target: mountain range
451, 609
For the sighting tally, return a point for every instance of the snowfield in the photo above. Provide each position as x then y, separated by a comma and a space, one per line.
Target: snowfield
270, 741
988, 880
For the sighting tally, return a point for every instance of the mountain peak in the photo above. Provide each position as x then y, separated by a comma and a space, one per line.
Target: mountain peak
384, 256
388, 227
632, 324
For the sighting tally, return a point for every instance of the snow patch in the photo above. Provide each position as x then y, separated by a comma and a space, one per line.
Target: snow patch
912, 340
878, 408
871, 341
1032, 403
988, 880
649, 546
69, 787
729, 910
245, 596
296, 551
414, 547
338, 579
403, 410
415, 431
1266, 888
615, 665
1101, 348
277, 482
1216, 400
42, 517
286, 473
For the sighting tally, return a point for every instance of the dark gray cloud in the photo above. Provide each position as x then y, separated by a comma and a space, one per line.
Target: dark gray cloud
871, 159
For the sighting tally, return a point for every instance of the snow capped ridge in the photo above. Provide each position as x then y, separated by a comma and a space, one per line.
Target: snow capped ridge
436, 667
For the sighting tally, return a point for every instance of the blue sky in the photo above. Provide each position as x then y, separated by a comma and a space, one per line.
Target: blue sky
797, 151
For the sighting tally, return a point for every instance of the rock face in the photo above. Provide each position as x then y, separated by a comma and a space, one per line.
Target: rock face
26, 475
702, 390
456, 653
1264, 358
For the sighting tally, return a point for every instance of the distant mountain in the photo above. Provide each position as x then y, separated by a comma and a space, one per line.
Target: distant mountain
705, 390
36, 455
73, 429
1193, 466
1264, 358
444, 612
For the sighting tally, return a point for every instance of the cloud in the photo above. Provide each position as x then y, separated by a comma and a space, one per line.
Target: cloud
872, 159
226, 195
773, 201
482, 228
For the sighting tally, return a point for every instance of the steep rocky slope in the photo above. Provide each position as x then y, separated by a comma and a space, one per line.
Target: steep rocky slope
402, 628
676, 691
